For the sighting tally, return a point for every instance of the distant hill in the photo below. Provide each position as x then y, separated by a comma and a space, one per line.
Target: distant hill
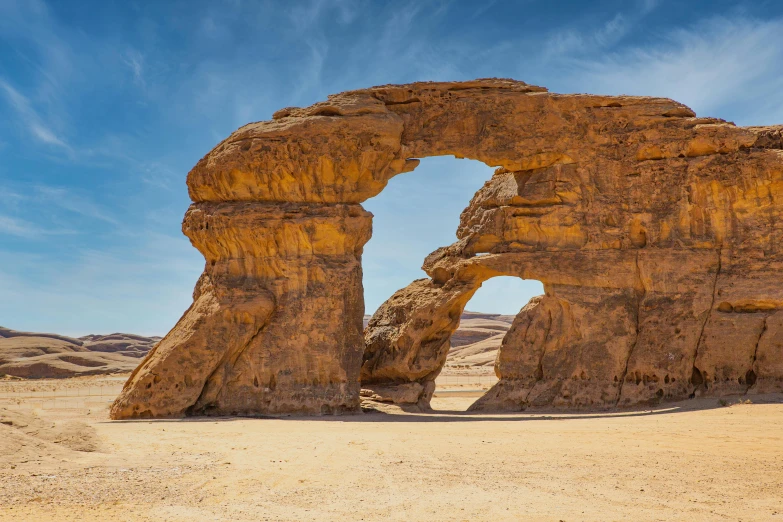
43, 355
476, 341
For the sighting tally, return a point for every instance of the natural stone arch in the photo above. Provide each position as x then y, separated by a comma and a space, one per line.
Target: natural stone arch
407, 339
617, 183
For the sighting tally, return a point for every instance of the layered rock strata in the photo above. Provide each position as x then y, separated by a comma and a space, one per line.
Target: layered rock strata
276, 321
654, 232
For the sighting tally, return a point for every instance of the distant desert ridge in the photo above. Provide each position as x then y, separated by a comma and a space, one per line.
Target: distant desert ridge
44, 356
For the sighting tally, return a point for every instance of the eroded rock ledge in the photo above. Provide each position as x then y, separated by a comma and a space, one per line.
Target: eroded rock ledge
656, 235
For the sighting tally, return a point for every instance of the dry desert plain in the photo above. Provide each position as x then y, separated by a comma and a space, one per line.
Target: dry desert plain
702, 459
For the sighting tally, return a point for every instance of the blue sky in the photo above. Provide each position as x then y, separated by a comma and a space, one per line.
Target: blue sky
106, 105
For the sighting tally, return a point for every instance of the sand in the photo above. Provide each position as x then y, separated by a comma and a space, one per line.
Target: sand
698, 460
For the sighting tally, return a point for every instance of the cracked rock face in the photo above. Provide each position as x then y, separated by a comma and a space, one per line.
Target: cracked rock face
656, 235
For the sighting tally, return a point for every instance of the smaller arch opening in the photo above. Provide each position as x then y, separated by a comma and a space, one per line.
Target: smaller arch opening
470, 366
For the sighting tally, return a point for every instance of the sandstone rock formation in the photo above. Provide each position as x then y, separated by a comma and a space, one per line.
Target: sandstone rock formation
42, 355
654, 232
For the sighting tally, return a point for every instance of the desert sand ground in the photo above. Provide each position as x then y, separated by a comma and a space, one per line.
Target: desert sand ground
698, 460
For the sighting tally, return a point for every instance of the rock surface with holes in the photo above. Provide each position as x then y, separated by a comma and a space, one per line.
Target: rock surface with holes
276, 320
656, 235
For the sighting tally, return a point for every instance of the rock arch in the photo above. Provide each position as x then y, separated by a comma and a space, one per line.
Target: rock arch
656, 235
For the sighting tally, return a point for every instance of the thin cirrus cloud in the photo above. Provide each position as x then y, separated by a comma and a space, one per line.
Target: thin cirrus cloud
107, 285
719, 66
29, 31
32, 200
574, 42
28, 117
13, 226
135, 62
72, 202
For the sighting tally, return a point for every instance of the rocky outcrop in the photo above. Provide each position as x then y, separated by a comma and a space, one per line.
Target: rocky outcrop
276, 321
407, 340
654, 232
636, 247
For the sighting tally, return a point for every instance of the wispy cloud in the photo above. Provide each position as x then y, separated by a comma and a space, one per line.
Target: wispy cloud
583, 38
400, 49
110, 286
29, 118
135, 62
45, 135
647, 6
17, 227
483, 7
13, 226
73, 202
715, 66
159, 175
30, 30
578, 40
306, 15
36, 212
60, 67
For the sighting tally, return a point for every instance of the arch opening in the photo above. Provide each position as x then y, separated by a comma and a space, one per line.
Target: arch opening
414, 218
469, 370
416, 213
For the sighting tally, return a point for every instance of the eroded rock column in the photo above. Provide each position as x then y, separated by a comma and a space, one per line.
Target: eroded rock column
274, 325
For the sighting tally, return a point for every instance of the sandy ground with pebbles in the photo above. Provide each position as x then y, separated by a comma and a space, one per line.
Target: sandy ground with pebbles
697, 460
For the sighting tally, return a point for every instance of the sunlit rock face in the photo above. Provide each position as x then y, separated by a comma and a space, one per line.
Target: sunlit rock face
656, 235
